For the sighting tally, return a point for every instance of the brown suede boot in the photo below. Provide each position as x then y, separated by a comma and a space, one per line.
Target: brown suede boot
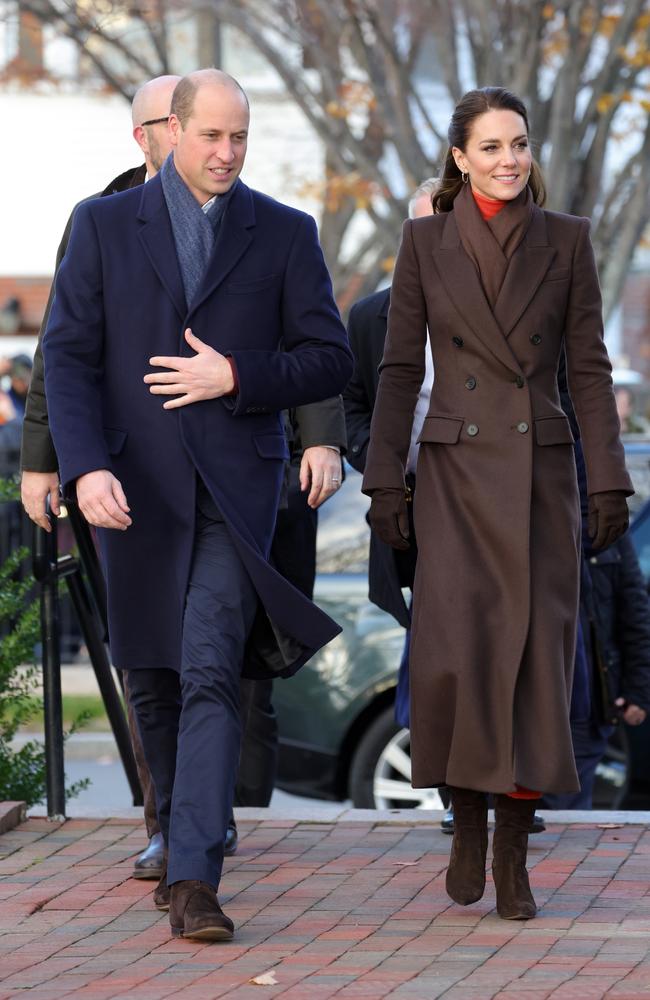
514, 818
465, 881
194, 912
161, 892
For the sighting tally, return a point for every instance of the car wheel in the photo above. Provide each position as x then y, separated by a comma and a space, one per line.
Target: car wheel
380, 773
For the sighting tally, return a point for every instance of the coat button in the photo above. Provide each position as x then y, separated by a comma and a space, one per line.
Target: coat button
535, 339
472, 430
470, 383
457, 341
355, 449
522, 427
520, 382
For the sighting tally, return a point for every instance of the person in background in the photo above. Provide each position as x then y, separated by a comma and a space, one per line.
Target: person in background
611, 680
631, 422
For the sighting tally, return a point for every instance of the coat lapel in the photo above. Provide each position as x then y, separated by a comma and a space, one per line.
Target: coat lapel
528, 265
463, 285
157, 239
232, 242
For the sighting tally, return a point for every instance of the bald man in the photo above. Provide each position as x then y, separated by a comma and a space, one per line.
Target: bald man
187, 316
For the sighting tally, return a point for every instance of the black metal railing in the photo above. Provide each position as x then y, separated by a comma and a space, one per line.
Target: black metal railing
85, 583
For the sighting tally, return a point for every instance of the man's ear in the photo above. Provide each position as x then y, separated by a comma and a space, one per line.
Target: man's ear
140, 137
175, 128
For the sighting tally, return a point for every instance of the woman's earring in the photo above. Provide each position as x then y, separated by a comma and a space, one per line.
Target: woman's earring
464, 177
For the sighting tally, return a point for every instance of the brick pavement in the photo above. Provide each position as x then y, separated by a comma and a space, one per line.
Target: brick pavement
352, 908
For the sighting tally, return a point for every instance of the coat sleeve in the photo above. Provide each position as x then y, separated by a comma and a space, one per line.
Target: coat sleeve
402, 373
315, 362
633, 628
320, 424
590, 375
37, 450
358, 407
72, 352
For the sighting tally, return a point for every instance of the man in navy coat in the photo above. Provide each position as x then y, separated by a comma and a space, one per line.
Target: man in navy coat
217, 299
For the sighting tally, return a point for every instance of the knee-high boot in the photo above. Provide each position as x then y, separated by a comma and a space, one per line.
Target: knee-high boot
514, 818
465, 881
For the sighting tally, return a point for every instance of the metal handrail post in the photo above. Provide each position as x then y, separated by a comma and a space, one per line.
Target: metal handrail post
44, 565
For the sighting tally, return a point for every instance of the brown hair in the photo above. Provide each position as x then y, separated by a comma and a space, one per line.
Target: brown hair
473, 104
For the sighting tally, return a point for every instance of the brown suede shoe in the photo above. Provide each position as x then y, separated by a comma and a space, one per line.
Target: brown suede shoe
194, 912
465, 881
161, 892
513, 818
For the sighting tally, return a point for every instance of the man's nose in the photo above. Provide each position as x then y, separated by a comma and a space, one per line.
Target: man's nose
225, 152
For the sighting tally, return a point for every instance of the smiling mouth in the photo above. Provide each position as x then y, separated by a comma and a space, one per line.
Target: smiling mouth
220, 171
506, 178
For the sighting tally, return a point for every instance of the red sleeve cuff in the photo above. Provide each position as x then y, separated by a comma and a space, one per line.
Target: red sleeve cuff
233, 368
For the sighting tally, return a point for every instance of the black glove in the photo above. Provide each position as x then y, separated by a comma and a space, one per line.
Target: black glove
389, 519
608, 518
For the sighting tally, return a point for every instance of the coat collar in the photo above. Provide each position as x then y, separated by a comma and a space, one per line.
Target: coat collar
526, 271
158, 241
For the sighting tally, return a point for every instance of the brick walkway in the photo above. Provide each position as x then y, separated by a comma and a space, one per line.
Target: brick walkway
353, 908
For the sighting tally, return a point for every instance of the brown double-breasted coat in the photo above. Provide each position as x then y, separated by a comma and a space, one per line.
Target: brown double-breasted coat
496, 509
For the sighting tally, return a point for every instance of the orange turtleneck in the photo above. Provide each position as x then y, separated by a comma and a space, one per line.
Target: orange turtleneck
488, 207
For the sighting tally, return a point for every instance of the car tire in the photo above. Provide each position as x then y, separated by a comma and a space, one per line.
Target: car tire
380, 772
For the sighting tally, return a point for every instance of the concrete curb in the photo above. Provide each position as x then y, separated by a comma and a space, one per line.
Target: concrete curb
11, 814
340, 813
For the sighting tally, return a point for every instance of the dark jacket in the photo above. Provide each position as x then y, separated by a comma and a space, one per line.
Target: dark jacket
37, 452
266, 300
620, 609
388, 569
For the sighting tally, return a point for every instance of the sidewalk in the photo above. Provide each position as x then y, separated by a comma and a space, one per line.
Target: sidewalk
353, 906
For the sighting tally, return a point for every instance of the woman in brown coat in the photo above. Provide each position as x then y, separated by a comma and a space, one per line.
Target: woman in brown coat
503, 288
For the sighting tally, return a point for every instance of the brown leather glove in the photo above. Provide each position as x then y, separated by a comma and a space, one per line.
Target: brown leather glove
388, 516
608, 518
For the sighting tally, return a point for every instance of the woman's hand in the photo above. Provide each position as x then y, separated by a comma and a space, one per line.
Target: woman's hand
608, 518
388, 516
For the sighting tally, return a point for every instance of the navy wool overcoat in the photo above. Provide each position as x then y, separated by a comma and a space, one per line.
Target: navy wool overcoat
266, 300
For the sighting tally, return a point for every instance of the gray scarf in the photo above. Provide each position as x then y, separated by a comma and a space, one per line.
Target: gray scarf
195, 231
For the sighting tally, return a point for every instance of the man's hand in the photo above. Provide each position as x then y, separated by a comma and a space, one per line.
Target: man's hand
207, 375
320, 468
608, 518
102, 501
632, 714
35, 487
389, 519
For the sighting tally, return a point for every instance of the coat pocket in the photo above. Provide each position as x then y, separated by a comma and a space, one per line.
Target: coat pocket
115, 439
553, 430
254, 285
271, 446
557, 274
441, 430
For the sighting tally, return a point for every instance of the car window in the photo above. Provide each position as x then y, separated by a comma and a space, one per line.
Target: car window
343, 532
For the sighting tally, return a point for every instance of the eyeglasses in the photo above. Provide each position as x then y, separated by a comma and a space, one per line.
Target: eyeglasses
154, 121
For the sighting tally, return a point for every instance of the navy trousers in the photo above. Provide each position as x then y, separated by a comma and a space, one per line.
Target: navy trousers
589, 745
190, 723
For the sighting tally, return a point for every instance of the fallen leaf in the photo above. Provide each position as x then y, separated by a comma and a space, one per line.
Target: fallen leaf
609, 826
266, 979
404, 863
